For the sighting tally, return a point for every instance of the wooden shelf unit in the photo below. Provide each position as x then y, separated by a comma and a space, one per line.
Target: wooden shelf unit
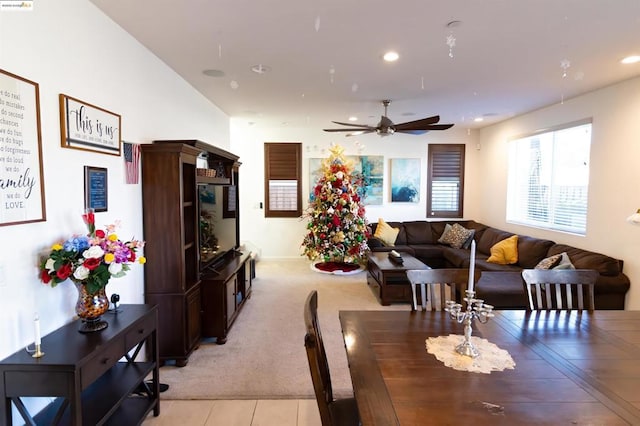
171, 231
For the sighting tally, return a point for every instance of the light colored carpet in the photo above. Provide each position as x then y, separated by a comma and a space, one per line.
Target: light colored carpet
264, 356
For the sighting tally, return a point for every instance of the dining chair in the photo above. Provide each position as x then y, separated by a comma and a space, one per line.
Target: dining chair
566, 289
433, 284
333, 412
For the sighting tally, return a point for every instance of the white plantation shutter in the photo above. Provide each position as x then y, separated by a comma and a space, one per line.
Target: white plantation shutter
549, 179
445, 180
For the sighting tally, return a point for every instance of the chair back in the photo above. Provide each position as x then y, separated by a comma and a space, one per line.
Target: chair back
317, 357
566, 289
434, 282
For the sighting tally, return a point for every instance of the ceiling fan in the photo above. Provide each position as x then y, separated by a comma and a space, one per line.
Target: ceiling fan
386, 127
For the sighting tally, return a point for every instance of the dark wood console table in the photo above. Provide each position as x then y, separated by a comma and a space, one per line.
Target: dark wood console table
83, 373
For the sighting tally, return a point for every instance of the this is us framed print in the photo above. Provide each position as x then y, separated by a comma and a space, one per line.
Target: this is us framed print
88, 127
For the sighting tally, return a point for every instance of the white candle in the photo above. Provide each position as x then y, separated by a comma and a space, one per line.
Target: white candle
472, 265
36, 326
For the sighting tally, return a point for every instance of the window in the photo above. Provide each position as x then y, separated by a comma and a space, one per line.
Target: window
549, 178
283, 185
445, 180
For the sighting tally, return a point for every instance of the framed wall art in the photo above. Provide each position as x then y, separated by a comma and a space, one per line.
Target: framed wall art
88, 127
21, 177
95, 189
371, 168
405, 180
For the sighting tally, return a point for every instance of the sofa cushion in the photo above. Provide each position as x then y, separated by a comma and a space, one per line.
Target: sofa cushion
505, 252
489, 238
549, 262
456, 257
456, 236
386, 233
503, 290
467, 244
445, 233
583, 259
418, 232
402, 235
565, 262
427, 253
532, 250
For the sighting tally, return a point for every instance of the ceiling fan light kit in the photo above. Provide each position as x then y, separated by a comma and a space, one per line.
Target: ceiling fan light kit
386, 127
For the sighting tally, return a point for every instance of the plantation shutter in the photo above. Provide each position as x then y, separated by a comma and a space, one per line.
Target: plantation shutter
445, 180
283, 171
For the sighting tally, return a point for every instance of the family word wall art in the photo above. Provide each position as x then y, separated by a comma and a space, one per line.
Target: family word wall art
21, 179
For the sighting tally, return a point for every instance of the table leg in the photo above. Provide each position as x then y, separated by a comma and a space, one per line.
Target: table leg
413, 291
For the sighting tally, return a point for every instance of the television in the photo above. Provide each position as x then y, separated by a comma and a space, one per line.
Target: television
218, 222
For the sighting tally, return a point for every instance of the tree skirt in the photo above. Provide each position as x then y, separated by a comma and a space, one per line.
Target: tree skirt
338, 268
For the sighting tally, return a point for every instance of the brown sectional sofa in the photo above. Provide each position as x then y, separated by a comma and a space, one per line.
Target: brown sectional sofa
501, 285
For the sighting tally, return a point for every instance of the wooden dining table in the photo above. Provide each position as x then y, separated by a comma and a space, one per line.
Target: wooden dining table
573, 368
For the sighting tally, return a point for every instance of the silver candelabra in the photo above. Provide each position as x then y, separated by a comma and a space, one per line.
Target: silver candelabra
476, 309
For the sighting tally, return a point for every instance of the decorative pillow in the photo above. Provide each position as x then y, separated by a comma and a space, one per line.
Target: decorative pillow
386, 233
457, 236
505, 252
447, 229
549, 262
565, 262
467, 244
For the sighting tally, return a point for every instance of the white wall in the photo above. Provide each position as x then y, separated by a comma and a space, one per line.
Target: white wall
70, 47
614, 173
282, 237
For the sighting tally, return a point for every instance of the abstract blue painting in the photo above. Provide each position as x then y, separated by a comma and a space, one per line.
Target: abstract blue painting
405, 180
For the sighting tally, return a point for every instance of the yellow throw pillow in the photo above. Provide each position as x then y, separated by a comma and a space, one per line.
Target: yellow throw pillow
505, 252
386, 233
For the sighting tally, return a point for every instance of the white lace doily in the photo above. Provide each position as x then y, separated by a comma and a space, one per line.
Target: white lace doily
491, 357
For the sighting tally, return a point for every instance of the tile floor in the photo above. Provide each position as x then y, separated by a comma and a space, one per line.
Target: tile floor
263, 412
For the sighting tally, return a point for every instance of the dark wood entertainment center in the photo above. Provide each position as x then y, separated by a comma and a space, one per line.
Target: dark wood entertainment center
199, 293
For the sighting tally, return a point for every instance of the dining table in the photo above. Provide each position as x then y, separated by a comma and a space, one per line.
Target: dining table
571, 367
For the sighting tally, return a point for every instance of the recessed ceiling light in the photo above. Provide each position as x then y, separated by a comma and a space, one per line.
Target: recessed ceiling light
478, 119
260, 69
391, 56
213, 73
353, 118
631, 59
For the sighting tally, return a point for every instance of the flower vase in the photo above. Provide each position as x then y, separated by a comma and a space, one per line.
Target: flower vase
89, 307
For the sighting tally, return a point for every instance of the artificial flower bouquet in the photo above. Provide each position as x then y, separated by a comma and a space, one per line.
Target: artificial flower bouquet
91, 259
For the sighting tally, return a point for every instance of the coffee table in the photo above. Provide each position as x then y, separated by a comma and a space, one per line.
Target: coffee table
388, 280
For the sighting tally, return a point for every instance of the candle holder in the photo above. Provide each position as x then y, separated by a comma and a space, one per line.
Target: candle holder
476, 309
38, 353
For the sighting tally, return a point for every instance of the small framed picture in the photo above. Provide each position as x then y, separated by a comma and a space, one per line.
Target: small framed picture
95, 189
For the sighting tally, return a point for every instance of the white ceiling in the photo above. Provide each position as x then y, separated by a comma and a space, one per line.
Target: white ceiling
506, 60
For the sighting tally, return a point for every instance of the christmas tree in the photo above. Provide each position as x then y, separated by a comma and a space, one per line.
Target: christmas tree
337, 226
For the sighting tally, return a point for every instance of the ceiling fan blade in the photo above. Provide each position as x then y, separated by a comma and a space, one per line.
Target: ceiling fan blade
418, 124
351, 124
354, 129
360, 132
426, 129
439, 126
412, 132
